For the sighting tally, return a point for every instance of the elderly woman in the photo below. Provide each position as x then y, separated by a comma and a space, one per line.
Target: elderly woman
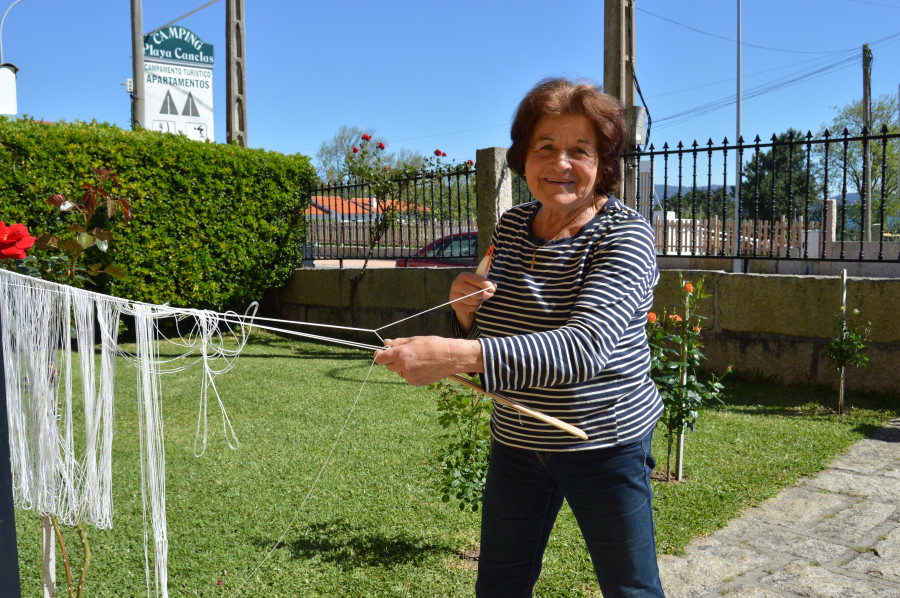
560, 327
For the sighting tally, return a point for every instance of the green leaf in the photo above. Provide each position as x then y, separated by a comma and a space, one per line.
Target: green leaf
72, 246
116, 272
86, 240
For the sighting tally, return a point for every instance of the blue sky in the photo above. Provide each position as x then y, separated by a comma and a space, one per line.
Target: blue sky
429, 75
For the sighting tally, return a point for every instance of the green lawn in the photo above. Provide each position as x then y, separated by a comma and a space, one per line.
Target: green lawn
375, 526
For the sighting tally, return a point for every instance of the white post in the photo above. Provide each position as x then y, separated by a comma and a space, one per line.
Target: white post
843, 329
679, 456
48, 551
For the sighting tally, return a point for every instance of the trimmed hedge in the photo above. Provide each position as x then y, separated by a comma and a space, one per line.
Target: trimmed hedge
214, 225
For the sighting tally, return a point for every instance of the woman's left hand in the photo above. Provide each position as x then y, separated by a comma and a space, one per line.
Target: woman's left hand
422, 360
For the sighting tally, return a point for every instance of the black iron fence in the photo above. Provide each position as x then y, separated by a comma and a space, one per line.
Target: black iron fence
828, 198
342, 217
832, 197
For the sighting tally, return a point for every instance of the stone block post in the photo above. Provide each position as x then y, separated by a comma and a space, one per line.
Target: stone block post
493, 187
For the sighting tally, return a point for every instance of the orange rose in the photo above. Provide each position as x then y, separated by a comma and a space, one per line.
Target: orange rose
689, 287
651, 317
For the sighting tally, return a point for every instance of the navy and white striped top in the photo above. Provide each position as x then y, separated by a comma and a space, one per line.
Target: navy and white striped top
569, 337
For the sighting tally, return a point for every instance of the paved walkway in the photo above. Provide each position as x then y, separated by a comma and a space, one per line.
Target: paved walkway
833, 536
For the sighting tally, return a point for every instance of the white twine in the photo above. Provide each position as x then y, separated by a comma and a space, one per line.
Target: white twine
38, 318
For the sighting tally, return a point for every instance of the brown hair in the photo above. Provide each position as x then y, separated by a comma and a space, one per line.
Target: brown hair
559, 97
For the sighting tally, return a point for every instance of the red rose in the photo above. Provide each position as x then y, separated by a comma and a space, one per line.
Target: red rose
443, 154
437, 153
14, 240
355, 150
367, 137
651, 317
470, 162
380, 145
689, 287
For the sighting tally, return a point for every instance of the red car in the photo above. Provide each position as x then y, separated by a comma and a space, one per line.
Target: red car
456, 250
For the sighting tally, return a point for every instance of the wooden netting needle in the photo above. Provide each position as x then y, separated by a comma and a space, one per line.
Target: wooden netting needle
547, 419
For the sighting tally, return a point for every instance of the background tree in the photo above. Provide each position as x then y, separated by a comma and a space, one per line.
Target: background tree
850, 117
335, 153
785, 162
701, 202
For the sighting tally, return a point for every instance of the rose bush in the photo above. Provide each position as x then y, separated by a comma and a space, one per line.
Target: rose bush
675, 355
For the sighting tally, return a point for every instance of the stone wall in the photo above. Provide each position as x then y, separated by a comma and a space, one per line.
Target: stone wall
773, 326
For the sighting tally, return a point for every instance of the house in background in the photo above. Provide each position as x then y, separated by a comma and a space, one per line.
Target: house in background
336, 208
333, 207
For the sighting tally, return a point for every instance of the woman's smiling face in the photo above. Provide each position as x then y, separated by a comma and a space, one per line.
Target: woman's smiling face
561, 163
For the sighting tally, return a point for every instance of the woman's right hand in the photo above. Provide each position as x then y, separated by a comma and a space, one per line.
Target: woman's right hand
466, 284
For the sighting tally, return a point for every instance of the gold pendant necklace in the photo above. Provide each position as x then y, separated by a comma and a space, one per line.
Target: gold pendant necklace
559, 232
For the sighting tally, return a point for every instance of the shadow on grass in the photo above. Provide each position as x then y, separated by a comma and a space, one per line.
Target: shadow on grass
349, 546
761, 397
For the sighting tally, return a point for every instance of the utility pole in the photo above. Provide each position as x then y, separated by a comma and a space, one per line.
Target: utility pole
137, 64
867, 148
618, 73
236, 77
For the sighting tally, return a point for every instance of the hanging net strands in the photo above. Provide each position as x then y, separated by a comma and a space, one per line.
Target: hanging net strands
52, 472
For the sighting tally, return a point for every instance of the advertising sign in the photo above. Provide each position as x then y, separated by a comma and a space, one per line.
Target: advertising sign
178, 83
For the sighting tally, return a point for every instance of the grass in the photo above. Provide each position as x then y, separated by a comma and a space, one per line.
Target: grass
375, 525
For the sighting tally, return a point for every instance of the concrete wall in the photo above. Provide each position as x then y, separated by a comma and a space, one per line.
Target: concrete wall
774, 326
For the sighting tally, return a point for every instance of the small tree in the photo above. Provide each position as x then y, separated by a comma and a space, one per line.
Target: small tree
847, 345
675, 355
367, 163
462, 464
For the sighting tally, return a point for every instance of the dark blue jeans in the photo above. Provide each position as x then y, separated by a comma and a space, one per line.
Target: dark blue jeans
609, 492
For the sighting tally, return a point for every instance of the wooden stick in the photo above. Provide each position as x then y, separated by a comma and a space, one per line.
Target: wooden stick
548, 419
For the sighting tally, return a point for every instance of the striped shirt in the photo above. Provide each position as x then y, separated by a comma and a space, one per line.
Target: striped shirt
568, 337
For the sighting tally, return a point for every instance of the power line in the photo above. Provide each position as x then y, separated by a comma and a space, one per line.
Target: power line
822, 68
183, 16
734, 41
757, 73
685, 115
